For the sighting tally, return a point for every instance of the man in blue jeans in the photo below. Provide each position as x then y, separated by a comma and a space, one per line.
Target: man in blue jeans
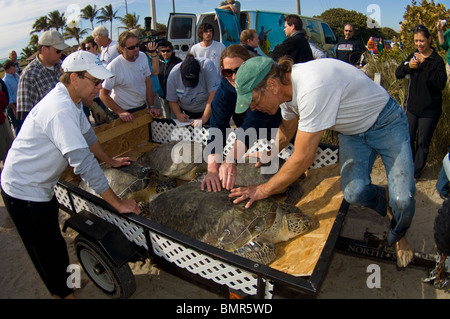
330, 94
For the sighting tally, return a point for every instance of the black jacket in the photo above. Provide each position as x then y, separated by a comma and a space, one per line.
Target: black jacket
425, 85
350, 51
296, 47
164, 70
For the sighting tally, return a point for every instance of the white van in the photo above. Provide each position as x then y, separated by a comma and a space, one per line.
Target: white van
182, 29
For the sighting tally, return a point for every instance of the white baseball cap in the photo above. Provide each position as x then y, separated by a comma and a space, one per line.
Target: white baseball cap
86, 61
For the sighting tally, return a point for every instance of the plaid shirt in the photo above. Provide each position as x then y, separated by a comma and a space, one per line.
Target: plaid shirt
35, 82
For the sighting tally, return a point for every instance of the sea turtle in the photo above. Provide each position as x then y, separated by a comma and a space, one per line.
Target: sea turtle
248, 174
178, 159
212, 217
133, 182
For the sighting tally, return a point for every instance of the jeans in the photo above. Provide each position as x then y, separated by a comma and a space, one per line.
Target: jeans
388, 137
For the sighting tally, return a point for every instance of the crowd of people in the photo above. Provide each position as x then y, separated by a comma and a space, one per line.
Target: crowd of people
297, 92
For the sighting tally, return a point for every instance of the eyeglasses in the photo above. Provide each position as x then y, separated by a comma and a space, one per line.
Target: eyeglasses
93, 80
166, 51
132, 47
260, 93
348, 31
229, 72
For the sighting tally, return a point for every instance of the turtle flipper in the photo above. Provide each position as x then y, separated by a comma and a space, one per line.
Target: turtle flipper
259, 250
297, 222
145, 209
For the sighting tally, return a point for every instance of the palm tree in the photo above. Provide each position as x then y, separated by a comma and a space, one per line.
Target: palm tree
41, 24
75, 33
56, 20
107, 14
130, 21
33, 41
27, 51
89, 13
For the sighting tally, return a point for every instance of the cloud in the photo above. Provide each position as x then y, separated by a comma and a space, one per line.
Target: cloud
18, 16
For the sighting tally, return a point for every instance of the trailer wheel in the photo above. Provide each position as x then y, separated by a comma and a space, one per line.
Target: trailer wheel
119, 283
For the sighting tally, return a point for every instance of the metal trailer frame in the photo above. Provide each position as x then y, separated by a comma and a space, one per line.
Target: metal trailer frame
134, 237
213, 266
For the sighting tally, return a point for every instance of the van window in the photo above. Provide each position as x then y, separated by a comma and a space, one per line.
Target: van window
329, 35
181, 28
210, 18
312, 28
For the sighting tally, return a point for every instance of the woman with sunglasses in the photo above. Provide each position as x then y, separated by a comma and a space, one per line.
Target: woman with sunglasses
427, 79
167, 60
222, 173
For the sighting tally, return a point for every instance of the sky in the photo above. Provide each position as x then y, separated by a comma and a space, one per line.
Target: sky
18, 16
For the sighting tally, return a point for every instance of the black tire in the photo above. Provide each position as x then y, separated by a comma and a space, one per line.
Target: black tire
442, 228
119, 283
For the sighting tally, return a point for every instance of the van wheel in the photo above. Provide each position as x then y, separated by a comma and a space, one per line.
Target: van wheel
119, 283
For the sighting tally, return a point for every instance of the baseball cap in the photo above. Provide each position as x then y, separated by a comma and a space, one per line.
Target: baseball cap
86, 61
190, 71
249, 75
52, 38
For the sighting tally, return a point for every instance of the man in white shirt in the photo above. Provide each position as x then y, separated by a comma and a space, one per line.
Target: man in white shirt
108, 46
131, 89
207, 47
57, 133
329, 94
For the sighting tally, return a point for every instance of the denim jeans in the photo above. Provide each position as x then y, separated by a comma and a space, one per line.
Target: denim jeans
442, 184
388, 137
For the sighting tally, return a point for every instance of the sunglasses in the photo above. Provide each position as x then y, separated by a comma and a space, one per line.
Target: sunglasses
419, 28
57, 51
93, 80
229, 72
132, 47
166, 51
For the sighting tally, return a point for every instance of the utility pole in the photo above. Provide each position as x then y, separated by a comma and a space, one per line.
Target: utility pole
126, 7
299, 10
153, 14
173, 6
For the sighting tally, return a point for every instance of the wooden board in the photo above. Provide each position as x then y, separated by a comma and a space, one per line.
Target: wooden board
118, 138
321, 201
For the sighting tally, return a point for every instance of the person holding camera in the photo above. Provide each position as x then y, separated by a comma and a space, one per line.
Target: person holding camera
423, 107
444, 42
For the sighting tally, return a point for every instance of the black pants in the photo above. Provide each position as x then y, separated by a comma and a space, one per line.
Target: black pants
38, 226
421, 131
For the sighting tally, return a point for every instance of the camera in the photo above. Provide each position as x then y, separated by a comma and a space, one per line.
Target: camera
443, 22
154, 36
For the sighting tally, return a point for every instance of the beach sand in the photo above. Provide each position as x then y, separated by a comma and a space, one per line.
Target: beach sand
346, 277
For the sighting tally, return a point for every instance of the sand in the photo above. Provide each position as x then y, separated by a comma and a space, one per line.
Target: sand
346, 277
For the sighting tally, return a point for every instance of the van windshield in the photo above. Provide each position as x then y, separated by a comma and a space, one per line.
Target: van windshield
181, 28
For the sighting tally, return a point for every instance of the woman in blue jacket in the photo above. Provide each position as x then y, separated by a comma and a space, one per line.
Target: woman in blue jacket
222, 173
